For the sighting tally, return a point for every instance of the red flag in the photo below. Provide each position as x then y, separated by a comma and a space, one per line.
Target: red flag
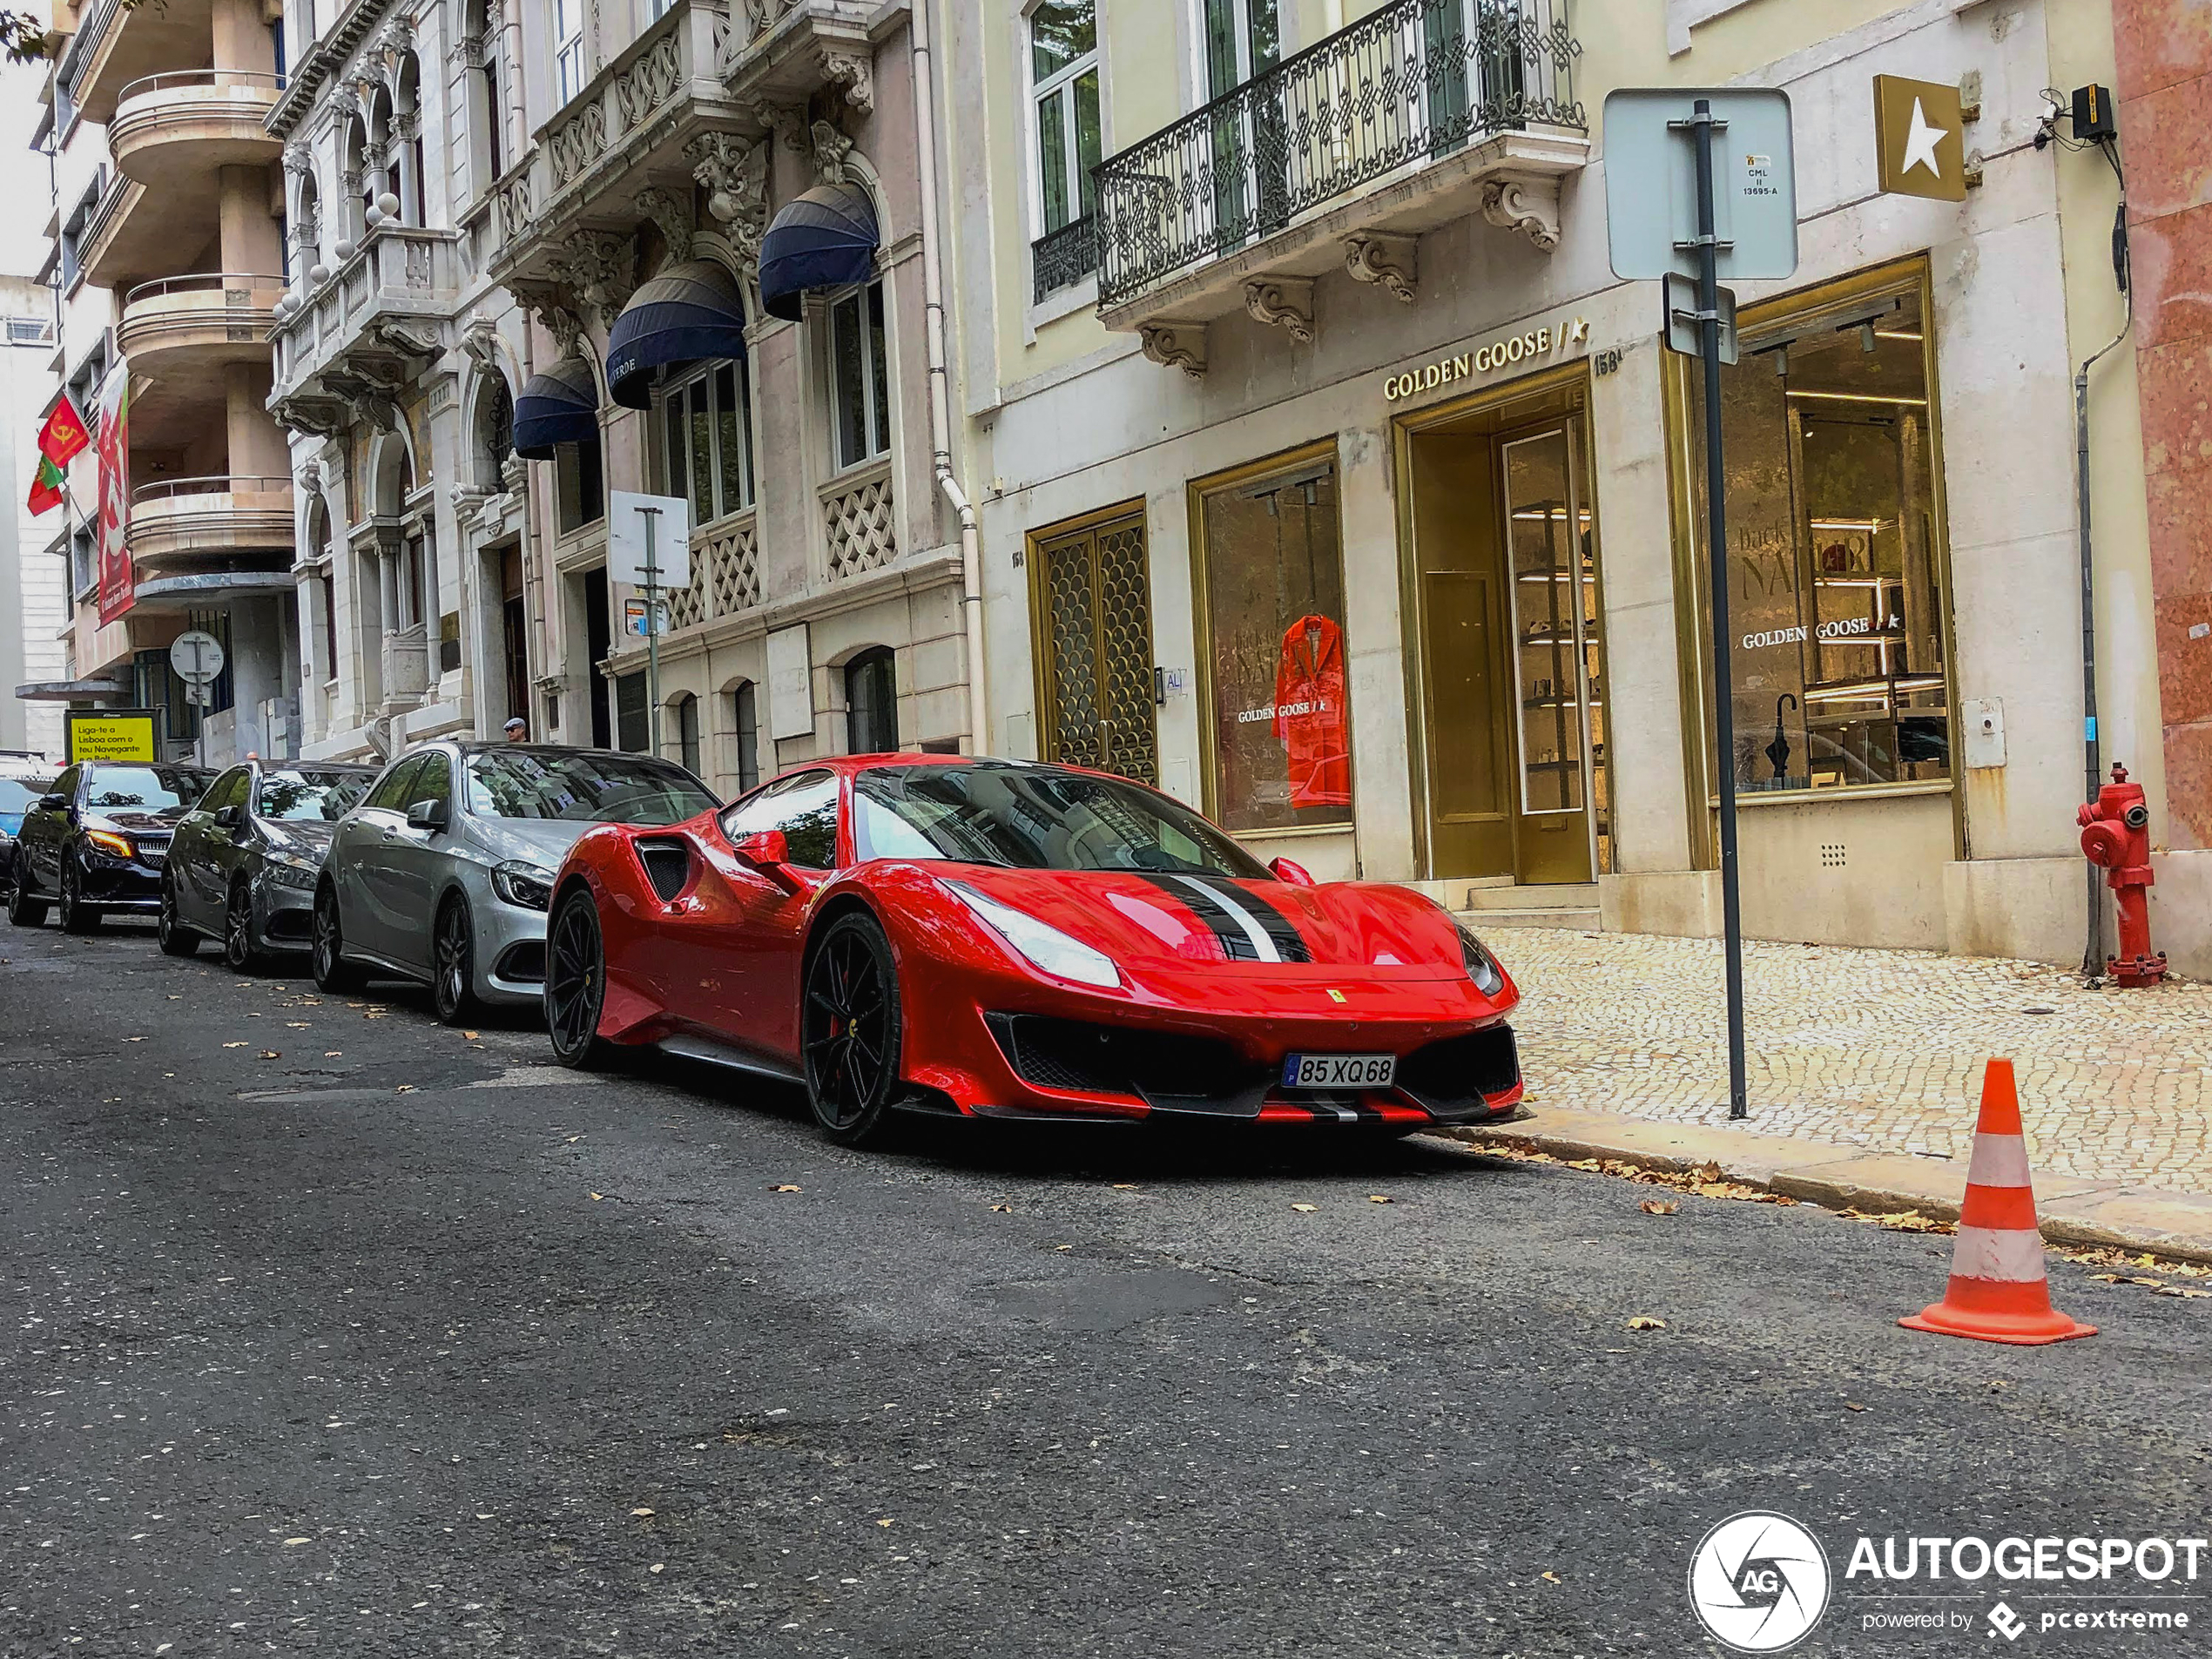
46, 489
117, 584
64, 436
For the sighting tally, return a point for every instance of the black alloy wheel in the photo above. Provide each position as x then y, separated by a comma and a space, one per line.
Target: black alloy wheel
23, 910
575, 982
169, 929
849, 1030
76, 916
452, 960
238, 930
334, 974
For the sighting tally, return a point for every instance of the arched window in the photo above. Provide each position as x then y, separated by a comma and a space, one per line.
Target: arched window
872, 703
409, 183
357, 189
687, 732
747, 724
495, 432
307, 225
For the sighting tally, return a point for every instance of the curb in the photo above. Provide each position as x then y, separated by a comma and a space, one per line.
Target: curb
2073, 1212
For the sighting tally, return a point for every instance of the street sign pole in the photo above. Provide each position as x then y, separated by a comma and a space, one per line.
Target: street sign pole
1701, 124
652, 630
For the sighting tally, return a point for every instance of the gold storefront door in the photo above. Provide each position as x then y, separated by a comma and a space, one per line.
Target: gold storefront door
1093, 598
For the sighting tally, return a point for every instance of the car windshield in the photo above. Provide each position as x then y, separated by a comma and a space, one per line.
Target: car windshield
1035, 817
586, 787
16, 796
144, 789
310, 796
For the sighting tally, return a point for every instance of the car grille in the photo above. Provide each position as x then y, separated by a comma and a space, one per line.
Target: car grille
1455, 1075
154, 854
1164, 1069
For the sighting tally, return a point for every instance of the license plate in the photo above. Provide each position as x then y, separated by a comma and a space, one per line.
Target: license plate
1339, 1071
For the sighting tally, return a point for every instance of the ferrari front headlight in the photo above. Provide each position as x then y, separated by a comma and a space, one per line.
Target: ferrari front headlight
1039, 943
1482, 968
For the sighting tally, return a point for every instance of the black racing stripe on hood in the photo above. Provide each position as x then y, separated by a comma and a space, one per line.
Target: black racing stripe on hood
1290, 944
1210, 913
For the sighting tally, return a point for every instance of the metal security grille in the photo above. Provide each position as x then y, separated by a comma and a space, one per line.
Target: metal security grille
1094, 603
1410, 82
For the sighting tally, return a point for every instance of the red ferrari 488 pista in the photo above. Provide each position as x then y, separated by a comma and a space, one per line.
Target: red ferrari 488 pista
999, 939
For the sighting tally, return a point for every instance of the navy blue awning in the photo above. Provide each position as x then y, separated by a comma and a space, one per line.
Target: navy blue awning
825, 238
690, 313
560, 406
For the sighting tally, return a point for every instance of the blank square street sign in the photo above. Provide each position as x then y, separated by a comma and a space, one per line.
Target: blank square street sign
1651, 183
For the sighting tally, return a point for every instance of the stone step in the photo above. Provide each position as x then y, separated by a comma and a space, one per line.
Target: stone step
1580, 896
1577, 918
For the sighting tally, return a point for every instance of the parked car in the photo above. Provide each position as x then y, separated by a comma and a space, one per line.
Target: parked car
999, 939
243, 867
443, 872
96, 843
18, 795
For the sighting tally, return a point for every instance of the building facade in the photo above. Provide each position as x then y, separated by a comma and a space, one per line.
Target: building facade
1336, 483
168, 252
34, 598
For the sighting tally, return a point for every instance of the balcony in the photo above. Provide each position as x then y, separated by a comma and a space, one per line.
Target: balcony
119, 44
355, 335
1061, 258
190, 324
787, 51
627, 131
1422, 112
170, 130
222, 525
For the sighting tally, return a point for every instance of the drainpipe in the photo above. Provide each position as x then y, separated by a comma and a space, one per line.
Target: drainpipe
940, 419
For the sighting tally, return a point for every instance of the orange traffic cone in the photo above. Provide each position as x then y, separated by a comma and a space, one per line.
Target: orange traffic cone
1997, 1291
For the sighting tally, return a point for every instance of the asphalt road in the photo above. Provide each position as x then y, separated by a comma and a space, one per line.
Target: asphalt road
329, 1331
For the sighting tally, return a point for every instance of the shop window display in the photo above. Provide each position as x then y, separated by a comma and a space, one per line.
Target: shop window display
1274, 589
1836, 571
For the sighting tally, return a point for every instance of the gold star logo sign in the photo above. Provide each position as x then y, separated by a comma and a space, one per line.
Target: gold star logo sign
1919, 142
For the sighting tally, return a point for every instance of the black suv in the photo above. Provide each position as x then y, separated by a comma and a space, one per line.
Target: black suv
99, 842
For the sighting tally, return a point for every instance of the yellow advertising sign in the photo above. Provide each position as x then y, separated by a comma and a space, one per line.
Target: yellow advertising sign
1920, 138
112, 734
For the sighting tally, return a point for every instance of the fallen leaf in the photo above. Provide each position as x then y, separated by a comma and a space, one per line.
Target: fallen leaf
886, 1522
134, 1039
290, 1543
2181, 1291
271, 1053
233, 1045
641, 1510
2153, 1283
657, 1567
296, 1025
2106, 1278
1001, 1209
1708, 1172
404, 1088
471, 1035
783, 1189
597, 1197
1643, 1322
1380, 1198
1124, 1186
1554, 1577
1305, 1209
334, 1053
1853, 1405
1659, 1206
572, 1140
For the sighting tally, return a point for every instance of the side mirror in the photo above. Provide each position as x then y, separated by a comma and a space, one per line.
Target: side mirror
767, 852
53, 804
230, 818
427, 815
1290, 874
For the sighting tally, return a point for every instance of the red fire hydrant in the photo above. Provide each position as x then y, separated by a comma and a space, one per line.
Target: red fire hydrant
2115, 837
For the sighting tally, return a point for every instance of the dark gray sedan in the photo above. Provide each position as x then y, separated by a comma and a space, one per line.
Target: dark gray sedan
242, 868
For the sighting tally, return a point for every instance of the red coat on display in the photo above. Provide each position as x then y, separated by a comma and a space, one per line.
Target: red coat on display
1310, 713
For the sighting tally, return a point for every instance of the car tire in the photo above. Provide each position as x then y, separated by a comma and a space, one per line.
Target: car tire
452, 963
76, 916
334, 974
849, 1028
169, 929
575, 982
23, 910
240, 952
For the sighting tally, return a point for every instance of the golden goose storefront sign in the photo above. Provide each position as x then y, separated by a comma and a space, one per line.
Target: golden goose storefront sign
1534, 347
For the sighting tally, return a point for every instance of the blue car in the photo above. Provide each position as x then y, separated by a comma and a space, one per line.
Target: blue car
18, 795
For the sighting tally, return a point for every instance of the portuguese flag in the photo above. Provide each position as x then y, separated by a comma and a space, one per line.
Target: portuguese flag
46, 488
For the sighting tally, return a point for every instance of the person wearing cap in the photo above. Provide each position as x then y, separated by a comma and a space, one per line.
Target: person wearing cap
516, 728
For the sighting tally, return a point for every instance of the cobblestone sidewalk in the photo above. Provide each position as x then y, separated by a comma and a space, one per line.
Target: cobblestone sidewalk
1878, 1048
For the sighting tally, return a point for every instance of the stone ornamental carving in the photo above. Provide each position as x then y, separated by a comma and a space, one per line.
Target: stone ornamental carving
1387, 261
413, 337
851, 74
480, 340
1529, 205
1285, 301
787, 122
598, 267
555, 309
1176, 345
672, 215
831, 147
299, 160
734, 171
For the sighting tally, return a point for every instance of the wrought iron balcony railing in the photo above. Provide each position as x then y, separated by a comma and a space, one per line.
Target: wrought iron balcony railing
1062, 257
1408, 83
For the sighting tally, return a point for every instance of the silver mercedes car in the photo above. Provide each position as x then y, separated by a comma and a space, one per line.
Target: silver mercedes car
443, 870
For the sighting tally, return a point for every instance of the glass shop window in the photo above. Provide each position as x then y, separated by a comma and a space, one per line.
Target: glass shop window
1836, 574
1274, 586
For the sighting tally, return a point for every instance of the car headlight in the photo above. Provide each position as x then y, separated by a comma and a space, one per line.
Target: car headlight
296, 873
1042, 945
1482, 968
115, 847
527, 886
